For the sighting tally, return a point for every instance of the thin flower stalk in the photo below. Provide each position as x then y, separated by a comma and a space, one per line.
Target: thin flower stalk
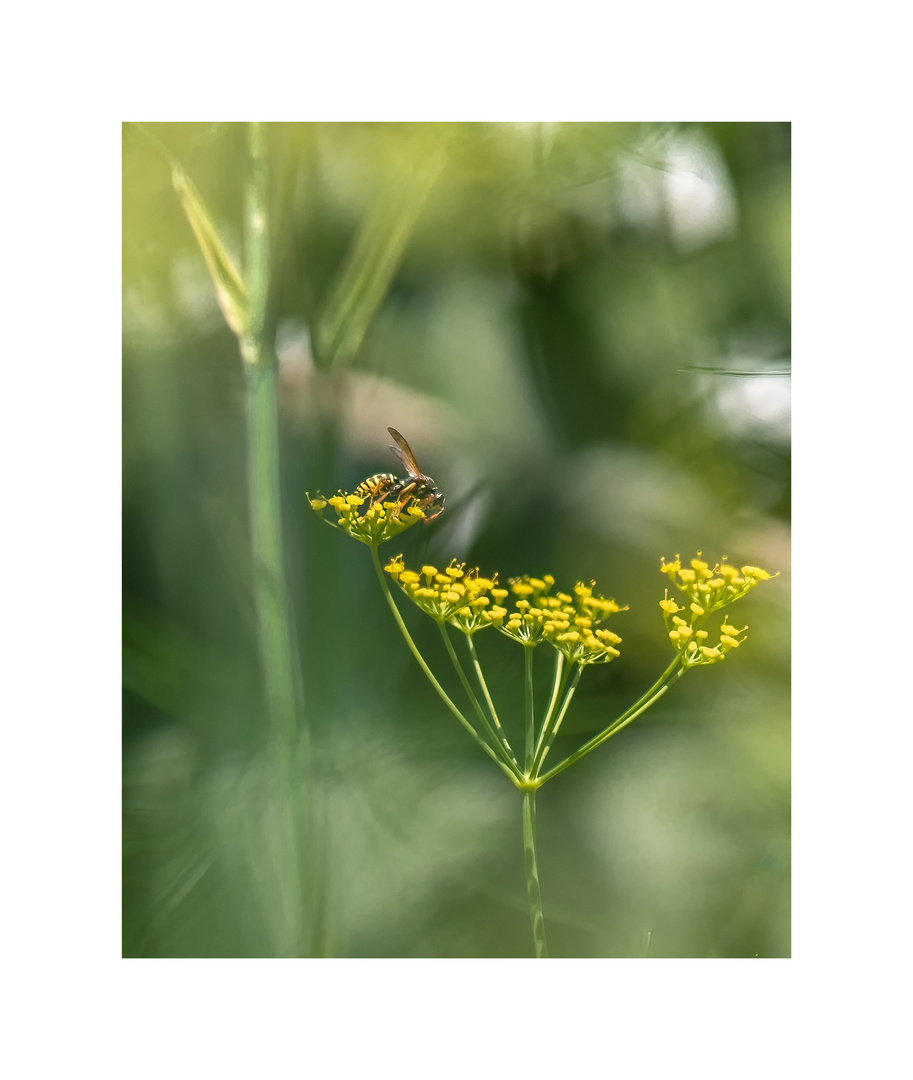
540, 756
428, 672
559, 682
470, 644
499, 744
529, 708
559, 679
672, 673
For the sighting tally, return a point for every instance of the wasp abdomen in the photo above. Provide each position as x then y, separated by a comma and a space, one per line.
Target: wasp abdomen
375, 486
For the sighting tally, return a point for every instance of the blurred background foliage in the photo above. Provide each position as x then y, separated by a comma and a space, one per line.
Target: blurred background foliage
583, 331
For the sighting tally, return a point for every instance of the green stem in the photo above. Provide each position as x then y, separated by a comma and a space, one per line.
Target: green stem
278, 651
278, 655
530, 708
533, 895
540, 755
671, 675
279, 658
559, 681
499, 745
427, 670
491, 705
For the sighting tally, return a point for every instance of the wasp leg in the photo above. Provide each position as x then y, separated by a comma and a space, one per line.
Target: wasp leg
403, 490
404, 494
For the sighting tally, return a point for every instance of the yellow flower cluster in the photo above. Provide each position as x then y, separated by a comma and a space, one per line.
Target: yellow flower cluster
376, 525
470, 602
691, 641
708, 589
712, 588
454, 595
572, 624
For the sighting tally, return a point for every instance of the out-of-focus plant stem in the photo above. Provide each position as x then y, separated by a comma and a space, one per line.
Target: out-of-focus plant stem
279, 660
278, 652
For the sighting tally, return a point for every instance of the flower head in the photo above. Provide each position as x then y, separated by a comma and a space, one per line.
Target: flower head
470, 602
452, 595
709, 590
712, 588
375, 525
570, 623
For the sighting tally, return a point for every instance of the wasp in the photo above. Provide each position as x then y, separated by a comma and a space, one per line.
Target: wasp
416, 485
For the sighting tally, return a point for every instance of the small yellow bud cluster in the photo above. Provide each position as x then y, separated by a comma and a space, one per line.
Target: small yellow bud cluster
712, 588
376, 525
691, 640
570, 623
452, 595
708, 589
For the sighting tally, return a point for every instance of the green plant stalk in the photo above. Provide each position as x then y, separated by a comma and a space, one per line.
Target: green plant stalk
428, 672
540, 755
533, 893
484, 685
671, 675
559, 682
279, 659
277, 639
499, 745
278, 656
530, 709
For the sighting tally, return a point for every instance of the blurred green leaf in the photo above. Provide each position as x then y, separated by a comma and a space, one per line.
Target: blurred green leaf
230, 287
373, 260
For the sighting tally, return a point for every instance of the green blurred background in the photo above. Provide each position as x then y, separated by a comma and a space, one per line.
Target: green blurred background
583, 331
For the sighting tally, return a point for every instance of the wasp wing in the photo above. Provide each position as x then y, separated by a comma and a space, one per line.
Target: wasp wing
404, 453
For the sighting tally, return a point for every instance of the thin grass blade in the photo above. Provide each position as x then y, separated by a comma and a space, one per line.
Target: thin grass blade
230, 288
372, 262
